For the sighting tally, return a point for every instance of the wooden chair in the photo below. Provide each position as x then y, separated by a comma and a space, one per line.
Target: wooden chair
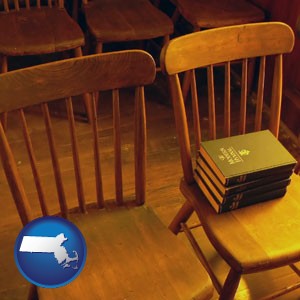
203, 14
259, 237
123, 21
130, 253
37, 29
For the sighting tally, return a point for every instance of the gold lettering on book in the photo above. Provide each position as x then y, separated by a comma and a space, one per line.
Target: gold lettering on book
231, 155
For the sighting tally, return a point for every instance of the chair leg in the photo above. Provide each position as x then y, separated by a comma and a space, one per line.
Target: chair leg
181, 217
175, 16
230, 286
32, 294
4, 69
86, 97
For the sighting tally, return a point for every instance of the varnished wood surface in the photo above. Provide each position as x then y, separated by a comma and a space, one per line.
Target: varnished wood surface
128, 20
214, 13
133, 263
226, 44
241, 237
262, 236
163, 194
38, 31
87, 72
137, 249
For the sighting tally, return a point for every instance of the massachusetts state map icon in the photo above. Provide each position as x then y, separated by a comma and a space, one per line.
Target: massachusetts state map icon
50, 252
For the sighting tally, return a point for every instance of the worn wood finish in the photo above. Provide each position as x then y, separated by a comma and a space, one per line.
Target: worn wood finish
243, 108
53, 30
133, 274
119, 21
203, 14
213, 14
276, 96
75, 152
183, 137
55, 162
140, 145
130, 252
122, 21
231, 43
263, 236
33, 163
196, 118
255, 245
37, 29
14, 179
211, 103
87, 72
227, 96
260, 93
96, 150
117, 147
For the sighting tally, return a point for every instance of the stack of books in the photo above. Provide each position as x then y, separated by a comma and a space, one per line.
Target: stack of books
243, 170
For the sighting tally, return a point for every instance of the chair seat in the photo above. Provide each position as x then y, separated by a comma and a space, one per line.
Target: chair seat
38, 31
132, 255
216, 13
261, 236
119, 20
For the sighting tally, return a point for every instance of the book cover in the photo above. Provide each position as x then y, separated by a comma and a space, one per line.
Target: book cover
229, 206
205, 171
244, 195
242, 158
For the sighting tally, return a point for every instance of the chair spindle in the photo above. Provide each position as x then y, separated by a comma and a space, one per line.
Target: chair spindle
196, 117
33, 163
211, 103
276, 96
117, 147
6, 5
227, 108
140, 146
183, 137
260, 94
55, 162
243, 108
98, 176
16, 4
75, 152
14, 179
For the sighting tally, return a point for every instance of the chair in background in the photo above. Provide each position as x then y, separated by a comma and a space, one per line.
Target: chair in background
203, 14
259, 237
35, 30
130, 253
125, 20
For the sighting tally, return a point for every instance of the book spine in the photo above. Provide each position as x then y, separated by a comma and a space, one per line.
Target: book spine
229, 206
205, 172
246, 195
255, 175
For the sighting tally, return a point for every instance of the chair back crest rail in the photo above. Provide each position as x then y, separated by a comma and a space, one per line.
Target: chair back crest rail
39, 85
223, 46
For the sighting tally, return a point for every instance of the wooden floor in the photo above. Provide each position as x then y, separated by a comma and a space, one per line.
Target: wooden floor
163, 174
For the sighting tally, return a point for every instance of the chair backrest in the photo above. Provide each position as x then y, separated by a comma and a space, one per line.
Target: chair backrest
223, 46
39, 85
16, 5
